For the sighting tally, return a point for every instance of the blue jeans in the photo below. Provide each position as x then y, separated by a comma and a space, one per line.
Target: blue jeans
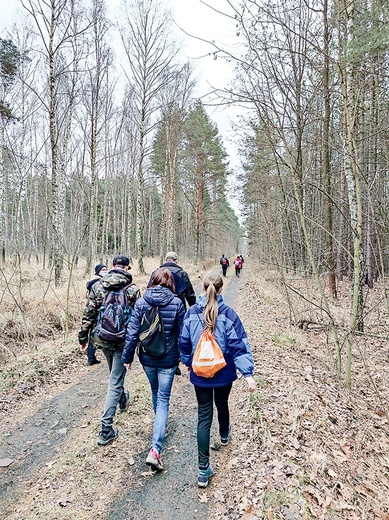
117, 373
161, 382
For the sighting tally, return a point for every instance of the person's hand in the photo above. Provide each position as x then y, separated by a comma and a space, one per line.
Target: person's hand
83, 347
127, 365
252, 384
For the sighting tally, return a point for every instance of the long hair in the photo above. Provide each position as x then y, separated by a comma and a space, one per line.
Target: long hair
212, 283
165, 278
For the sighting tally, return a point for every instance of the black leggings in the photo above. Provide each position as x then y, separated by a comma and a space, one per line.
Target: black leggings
205, 397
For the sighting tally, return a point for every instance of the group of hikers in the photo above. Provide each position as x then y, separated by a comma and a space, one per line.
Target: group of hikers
238, 264
115, 301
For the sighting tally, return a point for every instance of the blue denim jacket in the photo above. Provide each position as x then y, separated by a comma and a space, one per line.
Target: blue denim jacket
231, 337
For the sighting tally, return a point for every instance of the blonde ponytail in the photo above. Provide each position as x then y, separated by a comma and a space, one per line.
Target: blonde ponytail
212, 283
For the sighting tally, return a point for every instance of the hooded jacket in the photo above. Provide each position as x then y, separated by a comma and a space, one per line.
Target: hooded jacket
115, 279
172, 313
229, 334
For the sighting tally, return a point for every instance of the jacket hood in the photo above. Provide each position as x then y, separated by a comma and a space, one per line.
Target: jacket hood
202, 299
116, 279
158, 295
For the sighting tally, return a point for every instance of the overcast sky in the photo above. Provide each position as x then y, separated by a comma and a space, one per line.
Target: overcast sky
203, 22
198, 20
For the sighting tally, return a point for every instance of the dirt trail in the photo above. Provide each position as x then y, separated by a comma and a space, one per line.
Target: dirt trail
41, 435
177, 483
63, 429
302, 446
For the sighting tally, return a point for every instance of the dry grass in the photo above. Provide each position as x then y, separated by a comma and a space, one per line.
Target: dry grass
39, 321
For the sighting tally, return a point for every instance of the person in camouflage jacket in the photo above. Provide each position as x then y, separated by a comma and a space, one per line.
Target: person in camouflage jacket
117, 278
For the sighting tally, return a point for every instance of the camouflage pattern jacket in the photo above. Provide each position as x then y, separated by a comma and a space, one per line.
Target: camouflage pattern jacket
114, 280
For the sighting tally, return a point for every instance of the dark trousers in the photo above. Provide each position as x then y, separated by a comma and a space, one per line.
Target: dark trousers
91, 353
224, 269
205, 398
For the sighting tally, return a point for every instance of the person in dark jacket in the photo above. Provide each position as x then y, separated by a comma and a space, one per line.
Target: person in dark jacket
118, 278
225, 264
211, 313
159, 371
182, 283
100, 271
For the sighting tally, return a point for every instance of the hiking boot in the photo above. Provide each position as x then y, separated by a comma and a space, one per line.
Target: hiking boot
94, 362
106, 438
154, 460
124, 401
204, 476
225, 438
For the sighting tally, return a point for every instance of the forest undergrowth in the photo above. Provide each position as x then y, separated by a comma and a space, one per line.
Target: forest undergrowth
302, 446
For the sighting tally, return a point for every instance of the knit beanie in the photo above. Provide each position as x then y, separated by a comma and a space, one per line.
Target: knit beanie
98, 268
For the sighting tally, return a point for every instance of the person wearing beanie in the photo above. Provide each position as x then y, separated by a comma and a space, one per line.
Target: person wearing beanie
100, 271
113, 285
99, 268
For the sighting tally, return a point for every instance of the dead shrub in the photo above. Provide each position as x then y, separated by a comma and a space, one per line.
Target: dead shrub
49, 321
13, 330
6, 354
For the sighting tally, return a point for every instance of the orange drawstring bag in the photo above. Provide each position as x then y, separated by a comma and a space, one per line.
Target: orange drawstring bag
208, 357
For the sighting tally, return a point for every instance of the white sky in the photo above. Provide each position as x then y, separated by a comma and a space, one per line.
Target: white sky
200, 21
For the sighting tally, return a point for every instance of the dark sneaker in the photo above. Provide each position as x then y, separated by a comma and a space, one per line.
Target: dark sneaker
94, 362
124, 401
106, 438
225, 438
154, 460
204, 476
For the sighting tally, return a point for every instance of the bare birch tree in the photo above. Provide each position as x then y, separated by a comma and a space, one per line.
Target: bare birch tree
147, 41
57, 22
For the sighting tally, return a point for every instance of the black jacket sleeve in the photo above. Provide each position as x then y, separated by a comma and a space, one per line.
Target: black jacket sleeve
189, 293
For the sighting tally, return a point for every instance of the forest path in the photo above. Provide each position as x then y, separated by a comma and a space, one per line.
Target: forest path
58, 432
302, 445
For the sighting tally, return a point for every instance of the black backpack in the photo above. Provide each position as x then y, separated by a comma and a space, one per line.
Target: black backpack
152, 334
114, 314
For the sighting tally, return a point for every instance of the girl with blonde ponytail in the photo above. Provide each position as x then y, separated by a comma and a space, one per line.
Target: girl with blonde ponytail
212, 284
210, 312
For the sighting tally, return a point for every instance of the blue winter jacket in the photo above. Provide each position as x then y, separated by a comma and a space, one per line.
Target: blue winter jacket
231, 337
172, 313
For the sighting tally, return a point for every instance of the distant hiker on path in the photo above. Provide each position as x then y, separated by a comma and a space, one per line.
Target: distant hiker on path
159, 370
238, 265
211, 313
104, 321
100, 271
225, 264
